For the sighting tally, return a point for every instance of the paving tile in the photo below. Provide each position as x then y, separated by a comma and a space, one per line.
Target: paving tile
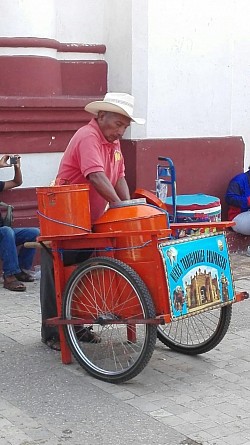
124, 395
160, 413
138, 402
235, 439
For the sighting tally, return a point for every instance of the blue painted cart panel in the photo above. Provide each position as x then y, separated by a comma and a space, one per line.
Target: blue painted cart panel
198, 274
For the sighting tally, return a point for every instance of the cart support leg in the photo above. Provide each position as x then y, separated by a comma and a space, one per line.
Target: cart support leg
131, 333
59, 283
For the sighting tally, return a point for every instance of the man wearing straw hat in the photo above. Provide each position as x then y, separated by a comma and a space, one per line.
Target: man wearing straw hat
92, 156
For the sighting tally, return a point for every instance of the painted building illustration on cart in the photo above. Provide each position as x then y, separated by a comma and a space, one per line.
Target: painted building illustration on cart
204, 288
198, 274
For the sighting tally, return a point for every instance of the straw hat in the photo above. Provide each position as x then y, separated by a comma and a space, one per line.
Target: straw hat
121, 103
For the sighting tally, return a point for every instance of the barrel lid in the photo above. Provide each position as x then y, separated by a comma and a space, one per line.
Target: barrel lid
194, 202
128, 212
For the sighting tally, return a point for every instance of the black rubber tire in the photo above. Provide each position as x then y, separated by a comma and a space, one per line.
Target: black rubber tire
196, 334
107, 287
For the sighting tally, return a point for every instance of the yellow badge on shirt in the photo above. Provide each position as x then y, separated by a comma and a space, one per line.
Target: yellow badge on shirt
117, 155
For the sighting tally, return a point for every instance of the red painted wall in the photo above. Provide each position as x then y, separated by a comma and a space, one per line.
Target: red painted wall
29, 76
40, 125
83, 78
34, 76
24, 201
203, 165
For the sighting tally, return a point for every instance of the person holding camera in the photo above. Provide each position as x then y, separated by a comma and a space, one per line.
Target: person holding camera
15, 264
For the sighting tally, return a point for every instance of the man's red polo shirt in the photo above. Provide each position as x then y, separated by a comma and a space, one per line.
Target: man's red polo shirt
89, 152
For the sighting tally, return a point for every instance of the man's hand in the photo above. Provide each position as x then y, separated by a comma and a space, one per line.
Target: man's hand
3, 161
17, 163
5, 158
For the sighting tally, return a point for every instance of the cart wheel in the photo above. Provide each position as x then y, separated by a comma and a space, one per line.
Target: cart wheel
196, 334
103, 289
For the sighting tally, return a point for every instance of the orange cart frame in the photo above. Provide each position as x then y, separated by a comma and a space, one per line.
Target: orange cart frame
106, 242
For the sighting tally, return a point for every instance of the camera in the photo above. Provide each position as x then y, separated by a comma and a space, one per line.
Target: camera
13, 160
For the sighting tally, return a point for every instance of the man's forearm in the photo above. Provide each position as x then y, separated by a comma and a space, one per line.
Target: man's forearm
16, 181
103, 186
18, 178
122, 189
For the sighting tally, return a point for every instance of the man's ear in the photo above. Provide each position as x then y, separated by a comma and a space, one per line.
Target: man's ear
101, 114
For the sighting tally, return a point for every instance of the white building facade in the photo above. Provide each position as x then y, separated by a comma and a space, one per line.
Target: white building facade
185, 61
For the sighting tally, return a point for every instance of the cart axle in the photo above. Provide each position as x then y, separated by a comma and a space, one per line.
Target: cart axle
56, 321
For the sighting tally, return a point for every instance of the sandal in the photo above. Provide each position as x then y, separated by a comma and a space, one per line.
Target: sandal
52, 343
25, 277
14, 285
85, 335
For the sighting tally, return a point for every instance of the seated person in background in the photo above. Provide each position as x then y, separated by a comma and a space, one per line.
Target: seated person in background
15, 265
238, 199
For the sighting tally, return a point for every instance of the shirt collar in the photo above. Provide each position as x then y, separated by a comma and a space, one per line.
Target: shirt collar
95, 125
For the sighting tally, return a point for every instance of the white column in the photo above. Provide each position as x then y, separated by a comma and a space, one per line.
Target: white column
126, 39
140, 68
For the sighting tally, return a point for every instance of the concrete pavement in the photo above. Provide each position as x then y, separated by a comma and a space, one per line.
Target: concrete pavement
176, 400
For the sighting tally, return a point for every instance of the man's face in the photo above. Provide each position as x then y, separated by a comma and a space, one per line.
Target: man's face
112, 125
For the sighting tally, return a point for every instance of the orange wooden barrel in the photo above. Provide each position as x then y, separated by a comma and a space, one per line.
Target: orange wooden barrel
138, 251
64, 210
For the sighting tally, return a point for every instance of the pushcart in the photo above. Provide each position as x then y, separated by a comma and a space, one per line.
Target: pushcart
142, 281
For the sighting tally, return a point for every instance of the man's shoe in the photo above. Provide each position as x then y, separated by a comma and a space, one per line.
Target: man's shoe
52, 343
24, 277
86, 335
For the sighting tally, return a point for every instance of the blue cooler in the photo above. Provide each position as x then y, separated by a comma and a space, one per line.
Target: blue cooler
195, 208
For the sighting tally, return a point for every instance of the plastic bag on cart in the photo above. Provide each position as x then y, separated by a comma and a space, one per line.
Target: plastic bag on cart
161, 189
